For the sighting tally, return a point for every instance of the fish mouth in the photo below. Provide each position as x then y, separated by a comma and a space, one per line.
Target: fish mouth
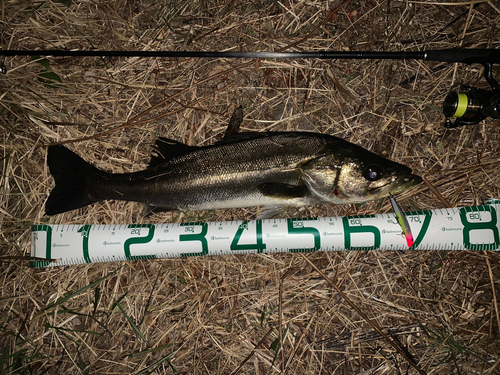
404, 183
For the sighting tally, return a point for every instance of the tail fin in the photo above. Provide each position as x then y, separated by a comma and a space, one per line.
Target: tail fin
73, 176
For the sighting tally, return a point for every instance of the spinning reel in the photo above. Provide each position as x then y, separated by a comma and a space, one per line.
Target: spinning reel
472, 105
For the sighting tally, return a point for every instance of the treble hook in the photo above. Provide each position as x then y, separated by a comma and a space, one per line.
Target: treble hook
3, 68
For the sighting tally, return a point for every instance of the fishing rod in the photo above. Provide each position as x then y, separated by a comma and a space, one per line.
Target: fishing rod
469, 106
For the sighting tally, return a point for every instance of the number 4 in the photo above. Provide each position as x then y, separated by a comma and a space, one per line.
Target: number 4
259, 245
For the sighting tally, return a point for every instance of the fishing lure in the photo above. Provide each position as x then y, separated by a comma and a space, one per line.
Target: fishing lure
403, 222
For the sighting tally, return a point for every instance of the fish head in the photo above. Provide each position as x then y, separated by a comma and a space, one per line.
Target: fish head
355, 176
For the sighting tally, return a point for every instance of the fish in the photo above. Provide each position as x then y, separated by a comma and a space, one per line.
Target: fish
271, 169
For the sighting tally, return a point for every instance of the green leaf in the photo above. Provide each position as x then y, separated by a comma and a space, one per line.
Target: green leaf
275, 344
131, 322
4, 356
181, 279
74, 294
96, 299
119, 300
50, 76
50, 79
44, 62
66, 3
150, 367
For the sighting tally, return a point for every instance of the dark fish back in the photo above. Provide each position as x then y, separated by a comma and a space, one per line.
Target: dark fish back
232, 169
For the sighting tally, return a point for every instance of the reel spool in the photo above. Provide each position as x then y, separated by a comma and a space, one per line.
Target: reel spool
472, 105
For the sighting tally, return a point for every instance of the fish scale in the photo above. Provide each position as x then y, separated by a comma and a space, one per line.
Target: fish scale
249, 169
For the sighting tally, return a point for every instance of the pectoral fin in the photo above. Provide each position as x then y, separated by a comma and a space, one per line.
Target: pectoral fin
282, 191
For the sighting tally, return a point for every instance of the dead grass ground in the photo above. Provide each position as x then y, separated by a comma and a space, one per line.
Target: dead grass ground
223, 315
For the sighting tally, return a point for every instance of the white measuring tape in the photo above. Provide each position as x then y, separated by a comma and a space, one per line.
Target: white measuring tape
465, 228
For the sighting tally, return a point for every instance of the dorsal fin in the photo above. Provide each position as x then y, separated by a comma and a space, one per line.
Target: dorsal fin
238, 137
166, 149
234, 123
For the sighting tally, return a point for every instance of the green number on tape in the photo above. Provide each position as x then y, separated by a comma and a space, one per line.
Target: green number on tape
139, 240
423, 229
349, 230
296, 226
259, 246
491, 225
195, 237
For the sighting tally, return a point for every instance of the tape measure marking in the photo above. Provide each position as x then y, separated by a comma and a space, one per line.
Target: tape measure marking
466, 228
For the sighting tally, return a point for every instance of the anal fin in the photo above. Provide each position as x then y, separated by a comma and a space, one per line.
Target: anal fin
271, 212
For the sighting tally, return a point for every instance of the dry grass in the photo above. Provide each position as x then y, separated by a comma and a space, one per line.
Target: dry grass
224, 315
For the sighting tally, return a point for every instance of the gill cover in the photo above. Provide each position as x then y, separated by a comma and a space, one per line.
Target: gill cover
353, 179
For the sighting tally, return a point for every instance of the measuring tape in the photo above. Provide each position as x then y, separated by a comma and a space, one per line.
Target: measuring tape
465, 228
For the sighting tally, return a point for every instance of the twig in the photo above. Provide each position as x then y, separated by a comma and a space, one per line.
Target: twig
365, 317
259, 344
492, 280
436, 192
477, 165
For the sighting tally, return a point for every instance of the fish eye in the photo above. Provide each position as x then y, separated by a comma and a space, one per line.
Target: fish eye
372, 173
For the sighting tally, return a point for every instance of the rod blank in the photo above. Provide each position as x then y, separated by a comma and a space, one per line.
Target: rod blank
223, 54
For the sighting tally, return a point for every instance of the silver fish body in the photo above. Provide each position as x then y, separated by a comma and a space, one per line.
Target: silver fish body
249, 169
